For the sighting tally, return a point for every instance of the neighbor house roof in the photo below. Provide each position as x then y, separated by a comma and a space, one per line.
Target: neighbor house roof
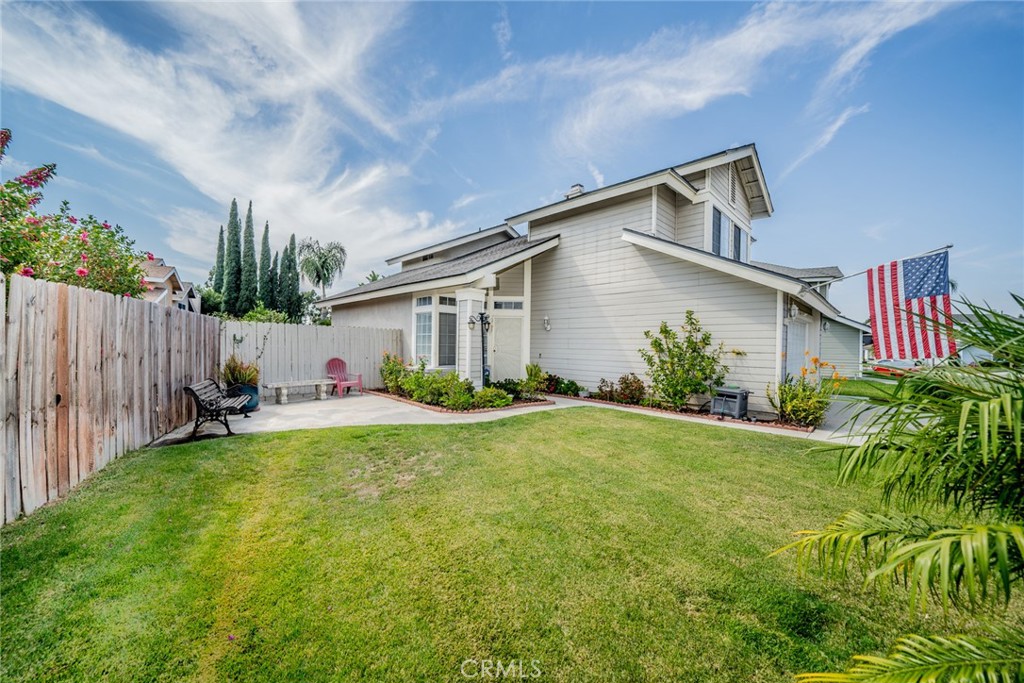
456, 272
746, 158
156, 272
456, 241
744, 271
819, 273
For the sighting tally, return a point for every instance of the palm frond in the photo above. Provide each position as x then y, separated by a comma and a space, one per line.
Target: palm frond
994, 658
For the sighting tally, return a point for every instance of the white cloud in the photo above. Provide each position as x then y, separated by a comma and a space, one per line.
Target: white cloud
684, 69
825, 138
250, 105
596, 174
465, 200
503, 33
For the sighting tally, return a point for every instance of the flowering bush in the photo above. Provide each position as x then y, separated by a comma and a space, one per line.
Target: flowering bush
61, 247
805, 400
680, 368
392, 371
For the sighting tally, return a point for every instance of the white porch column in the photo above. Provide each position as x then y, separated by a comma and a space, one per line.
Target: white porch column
470, 302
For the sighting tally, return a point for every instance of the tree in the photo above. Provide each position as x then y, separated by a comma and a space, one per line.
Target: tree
681, 368
373, 276
248, 294
62, 247
946, 440
289, 294
321, 263
218, 264
233, 262
271, 301
264, 284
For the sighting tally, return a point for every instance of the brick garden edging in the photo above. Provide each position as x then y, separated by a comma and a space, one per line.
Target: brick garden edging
701, 416
472, 411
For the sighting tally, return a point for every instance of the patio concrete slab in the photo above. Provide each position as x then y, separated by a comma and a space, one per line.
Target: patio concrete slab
369, 409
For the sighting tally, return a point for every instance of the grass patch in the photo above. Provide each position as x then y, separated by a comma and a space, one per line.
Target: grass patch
866, 388
604, 545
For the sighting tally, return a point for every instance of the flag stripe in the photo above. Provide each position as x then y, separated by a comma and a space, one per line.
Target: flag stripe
935, 326
924, 328
912, 334
894, 295
886, 339
873, 310
947, 308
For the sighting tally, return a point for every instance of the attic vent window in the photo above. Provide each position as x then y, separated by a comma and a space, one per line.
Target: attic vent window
427, 257
732, 184
574, 191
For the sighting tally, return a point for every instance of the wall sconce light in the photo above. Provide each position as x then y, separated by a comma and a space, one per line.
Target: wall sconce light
825, 326
794, 310
547, 324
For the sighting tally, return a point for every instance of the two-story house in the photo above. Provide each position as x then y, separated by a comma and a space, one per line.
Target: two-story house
576, 292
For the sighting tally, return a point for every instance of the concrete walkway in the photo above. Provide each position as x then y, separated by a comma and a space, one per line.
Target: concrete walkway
367, 409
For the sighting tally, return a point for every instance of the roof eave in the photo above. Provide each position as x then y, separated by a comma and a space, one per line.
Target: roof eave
454, 242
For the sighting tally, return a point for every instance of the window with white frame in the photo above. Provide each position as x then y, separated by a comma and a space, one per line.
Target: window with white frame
424, 326
508, 305
737, 239
717, 231
447, 337
436, 329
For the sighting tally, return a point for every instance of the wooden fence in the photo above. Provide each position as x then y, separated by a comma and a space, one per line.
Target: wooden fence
293, 352
85, 377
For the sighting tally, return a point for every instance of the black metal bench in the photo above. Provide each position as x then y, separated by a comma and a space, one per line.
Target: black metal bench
214, 404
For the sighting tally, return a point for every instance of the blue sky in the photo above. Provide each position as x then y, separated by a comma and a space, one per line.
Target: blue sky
884, 129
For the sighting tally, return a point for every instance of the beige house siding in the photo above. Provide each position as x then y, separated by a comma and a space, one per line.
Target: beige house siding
842, 345
510, 282
689, 223
665, 213
600, 294
391, 312
456, 251
720, 191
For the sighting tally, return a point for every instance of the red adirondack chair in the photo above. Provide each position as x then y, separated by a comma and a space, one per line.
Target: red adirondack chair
338, 371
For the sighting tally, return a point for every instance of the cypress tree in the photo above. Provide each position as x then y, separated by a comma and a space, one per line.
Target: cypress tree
265, 267
248, 294
218, 264
290, 297
271, 300
233, 262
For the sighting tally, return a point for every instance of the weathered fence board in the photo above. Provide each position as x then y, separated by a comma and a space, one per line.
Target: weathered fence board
295, 352
85, 377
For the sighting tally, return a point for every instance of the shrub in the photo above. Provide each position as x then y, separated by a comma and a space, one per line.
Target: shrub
606, 390
392, 371
236, 372
805, 400
437, 388
491, 397
61, 247
512, 387
567, 387
456, 393
631, 389
535, 381
262, 314
680, 368
552, 383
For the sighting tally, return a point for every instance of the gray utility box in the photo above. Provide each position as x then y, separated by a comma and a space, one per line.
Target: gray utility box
731, 402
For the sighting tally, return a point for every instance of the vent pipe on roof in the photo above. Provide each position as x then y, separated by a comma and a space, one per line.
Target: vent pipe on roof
574, 191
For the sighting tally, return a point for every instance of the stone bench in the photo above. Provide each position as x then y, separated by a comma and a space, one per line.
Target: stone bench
281, 388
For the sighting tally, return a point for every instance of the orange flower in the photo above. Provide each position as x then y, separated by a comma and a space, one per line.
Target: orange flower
803, 372
815, 360
835, 385
835, 375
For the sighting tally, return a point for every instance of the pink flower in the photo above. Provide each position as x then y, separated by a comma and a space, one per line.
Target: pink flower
81, 272
128, 295
27, 271
84, 236
37, 177
106, 225
73, 220
53, 263
142, 281
149, 255
231, 637
32, 220
84, 258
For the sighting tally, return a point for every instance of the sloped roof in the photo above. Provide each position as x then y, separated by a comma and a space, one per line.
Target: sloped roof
446, 269
156, 271
818, 273
504, 229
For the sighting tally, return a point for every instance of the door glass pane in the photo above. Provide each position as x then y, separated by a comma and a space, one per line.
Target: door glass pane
446, 338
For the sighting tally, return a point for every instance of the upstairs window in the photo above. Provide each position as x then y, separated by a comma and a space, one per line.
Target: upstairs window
716, 232
424, 301
737, 240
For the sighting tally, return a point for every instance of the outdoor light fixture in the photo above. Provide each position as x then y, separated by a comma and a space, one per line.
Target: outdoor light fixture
794, 310
825, 326
485, 327
547, 324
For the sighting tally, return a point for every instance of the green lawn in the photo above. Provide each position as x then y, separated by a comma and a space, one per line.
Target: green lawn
867, 388
604, 545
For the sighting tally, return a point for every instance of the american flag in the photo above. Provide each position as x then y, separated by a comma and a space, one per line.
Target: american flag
910, 308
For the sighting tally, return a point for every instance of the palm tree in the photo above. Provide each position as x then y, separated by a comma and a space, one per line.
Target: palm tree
947, 440
374, 276
321, 263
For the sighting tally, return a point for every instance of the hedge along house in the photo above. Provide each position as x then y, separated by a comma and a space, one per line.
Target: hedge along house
594, 271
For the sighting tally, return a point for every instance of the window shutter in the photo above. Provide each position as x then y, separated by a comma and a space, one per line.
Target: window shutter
732, 184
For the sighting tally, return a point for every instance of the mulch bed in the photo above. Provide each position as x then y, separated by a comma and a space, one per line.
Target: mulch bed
694, 413
521, 403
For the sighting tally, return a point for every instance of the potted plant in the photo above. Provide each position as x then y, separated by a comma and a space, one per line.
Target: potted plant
242, 378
